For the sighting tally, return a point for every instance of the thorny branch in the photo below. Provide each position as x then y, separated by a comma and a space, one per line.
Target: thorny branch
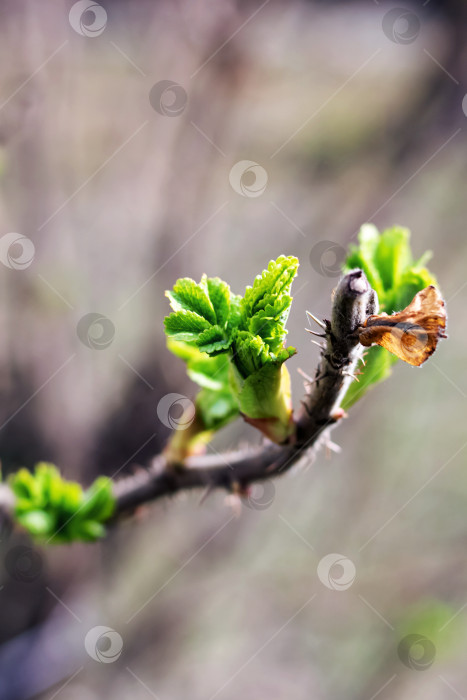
353, 302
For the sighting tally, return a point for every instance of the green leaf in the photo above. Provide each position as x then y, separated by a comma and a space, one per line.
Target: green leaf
216, 405
269, 323
250, 353
98, 502
25, 486
72, 497
37, 522
185, 325
268, 286
393, 256
189, 296
378, 363
412, 281
235, 317
51, 508
208, 372
202, 314
88, 531
219, 294
213, 341
217, 408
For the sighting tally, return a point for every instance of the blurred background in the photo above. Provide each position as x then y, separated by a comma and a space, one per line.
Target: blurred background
120, 123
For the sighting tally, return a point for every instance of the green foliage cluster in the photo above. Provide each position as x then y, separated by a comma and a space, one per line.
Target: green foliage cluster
234, 345
54, 510
387, 261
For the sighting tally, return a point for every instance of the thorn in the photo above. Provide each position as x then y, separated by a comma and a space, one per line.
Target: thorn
318, 335
316, 320
305, 375
234, 502
316, 380
320, 345
349, 374
332, 447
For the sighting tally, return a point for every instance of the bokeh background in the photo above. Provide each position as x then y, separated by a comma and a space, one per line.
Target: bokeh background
355, 111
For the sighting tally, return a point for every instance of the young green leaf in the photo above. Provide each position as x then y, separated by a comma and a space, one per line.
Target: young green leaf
219, 294
189, 296
185, 325
51, 508
269, 287
248, 332
201, 314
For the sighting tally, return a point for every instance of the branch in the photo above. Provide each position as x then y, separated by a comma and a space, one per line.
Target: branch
354, 301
